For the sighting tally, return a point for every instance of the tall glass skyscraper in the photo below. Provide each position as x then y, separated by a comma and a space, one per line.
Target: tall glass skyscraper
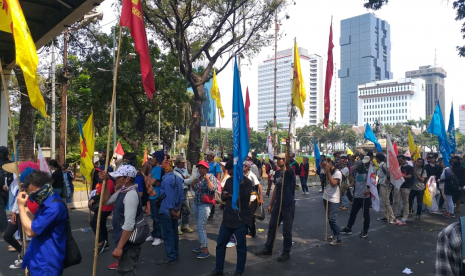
365, 57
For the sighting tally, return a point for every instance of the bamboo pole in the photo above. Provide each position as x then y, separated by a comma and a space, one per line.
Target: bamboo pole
12, 128
104, 184
221, 135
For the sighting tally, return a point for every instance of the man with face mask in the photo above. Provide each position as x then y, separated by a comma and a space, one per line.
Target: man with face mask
459, 173
5, 180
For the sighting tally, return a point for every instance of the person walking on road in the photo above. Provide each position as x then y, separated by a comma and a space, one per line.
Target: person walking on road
284, 174
404, 191
234, 222
182, 172
304, 170
331, 199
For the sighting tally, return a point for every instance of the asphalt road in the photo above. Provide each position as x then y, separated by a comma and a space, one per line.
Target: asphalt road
387, 250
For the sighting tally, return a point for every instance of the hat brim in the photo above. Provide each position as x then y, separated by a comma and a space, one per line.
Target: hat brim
10, 167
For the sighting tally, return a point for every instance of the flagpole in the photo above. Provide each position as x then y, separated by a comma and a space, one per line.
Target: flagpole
12, 129
104, 184
221, 134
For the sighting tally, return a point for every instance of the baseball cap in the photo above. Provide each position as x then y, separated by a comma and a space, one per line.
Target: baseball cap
281, 156
125, 170
366, 159
210, 152
248, 164
103, 150
130, 156
343, 156
204, 164
179, 159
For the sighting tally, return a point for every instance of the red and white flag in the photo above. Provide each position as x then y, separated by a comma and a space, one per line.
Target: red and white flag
371, 182
41, 161
329, 75
269, 145
396, 177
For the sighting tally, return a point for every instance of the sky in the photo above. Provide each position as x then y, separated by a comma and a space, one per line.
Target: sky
418, 28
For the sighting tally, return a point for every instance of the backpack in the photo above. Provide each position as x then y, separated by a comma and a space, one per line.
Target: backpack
455, 181
297, 167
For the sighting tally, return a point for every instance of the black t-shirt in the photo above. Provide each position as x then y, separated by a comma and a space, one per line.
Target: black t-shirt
258, 164
407, 170
235, 218
435, 170
289, 187
58, 181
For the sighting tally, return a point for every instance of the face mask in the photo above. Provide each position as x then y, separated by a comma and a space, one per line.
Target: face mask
42, 194
100, 155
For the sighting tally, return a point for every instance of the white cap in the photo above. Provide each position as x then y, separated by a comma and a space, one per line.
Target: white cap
125, 170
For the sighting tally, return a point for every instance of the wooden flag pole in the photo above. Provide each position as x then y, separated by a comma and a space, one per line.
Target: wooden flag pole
12, 129
104, 184
221, 135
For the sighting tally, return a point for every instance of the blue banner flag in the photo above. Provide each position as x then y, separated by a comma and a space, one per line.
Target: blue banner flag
240, 135
370, 136
451, 131
317, 154
438, 128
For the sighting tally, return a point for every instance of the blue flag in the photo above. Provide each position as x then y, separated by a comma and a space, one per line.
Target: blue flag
370, 136
451, 131
17, 157
317, 154
438, 128
240, 135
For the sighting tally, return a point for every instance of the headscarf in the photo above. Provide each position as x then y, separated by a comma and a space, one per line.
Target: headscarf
42, 194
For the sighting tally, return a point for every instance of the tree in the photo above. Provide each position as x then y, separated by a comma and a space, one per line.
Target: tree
206, 31
458, 5
26, 123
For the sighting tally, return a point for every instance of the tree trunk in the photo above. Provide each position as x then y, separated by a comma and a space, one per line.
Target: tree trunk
26, 121
193, 154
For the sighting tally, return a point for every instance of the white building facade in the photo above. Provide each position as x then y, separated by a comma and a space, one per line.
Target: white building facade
462, 118
391, 101
313, 75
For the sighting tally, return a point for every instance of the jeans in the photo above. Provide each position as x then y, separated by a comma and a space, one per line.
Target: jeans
3, 219
450, 204
103, 233
419, 195
303, 181
201, 212
185, 212
404, 194
364, 204
156, 232
332, 218
384, 192
10, 231
170, 236
345, 200
241, 247
287, 217
70, 195
127, 265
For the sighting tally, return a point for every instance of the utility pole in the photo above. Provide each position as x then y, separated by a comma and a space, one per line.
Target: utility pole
275, 125
159, 113
53, 123
114, 107
64, 101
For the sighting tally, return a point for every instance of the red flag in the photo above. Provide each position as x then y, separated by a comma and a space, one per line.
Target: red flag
119, 149
247, 105
395, 148
133, 18
329, 74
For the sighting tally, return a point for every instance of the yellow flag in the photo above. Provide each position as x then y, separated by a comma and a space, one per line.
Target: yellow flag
5, 17
411, 145
215, 93
87, 141
349, 152
298, 88
417, 153
26, 53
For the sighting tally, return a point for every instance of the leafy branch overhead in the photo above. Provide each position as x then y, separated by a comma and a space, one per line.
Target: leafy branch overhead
458, 5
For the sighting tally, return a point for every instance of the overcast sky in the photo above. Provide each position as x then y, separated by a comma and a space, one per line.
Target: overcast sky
418, 27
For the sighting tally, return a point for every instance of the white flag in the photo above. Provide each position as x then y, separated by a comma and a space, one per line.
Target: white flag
269, 144
42, 162
205, 144
396, 177
371, 181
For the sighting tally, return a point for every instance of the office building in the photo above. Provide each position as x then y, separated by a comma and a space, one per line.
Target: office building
284, 88
434, 77
317, 89
391, 101
365, 57
462, 118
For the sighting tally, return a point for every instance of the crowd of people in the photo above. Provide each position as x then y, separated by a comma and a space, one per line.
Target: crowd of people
165, 187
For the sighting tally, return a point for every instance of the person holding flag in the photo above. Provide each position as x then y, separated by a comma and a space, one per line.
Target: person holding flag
385, 188
404, 191
362, 199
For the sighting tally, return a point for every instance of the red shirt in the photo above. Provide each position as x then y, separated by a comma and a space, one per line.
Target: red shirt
111, 190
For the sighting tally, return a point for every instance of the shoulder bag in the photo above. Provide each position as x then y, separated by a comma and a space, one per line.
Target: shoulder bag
141, 227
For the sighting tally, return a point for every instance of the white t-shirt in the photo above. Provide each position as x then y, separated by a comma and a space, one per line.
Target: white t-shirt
255, 181
333, 194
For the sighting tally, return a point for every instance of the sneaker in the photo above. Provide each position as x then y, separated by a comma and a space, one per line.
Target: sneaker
230, 244
338, 242
203, 255
445, 214
320, 191
187, 230
149, 239
167, 262
346, 231
382, 219
11, 248
197, 250
401, 222
180, 232
157, 241
262, 252
417, 217
392, 222
451, 215
396, 222
328, 239
284, 257
113, 265
17, 264
104, 246
363, 234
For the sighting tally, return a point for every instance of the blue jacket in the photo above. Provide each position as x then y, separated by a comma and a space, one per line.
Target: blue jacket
172, 191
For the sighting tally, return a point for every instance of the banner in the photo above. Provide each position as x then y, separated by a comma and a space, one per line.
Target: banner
269, 145
394, 169
371, 182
